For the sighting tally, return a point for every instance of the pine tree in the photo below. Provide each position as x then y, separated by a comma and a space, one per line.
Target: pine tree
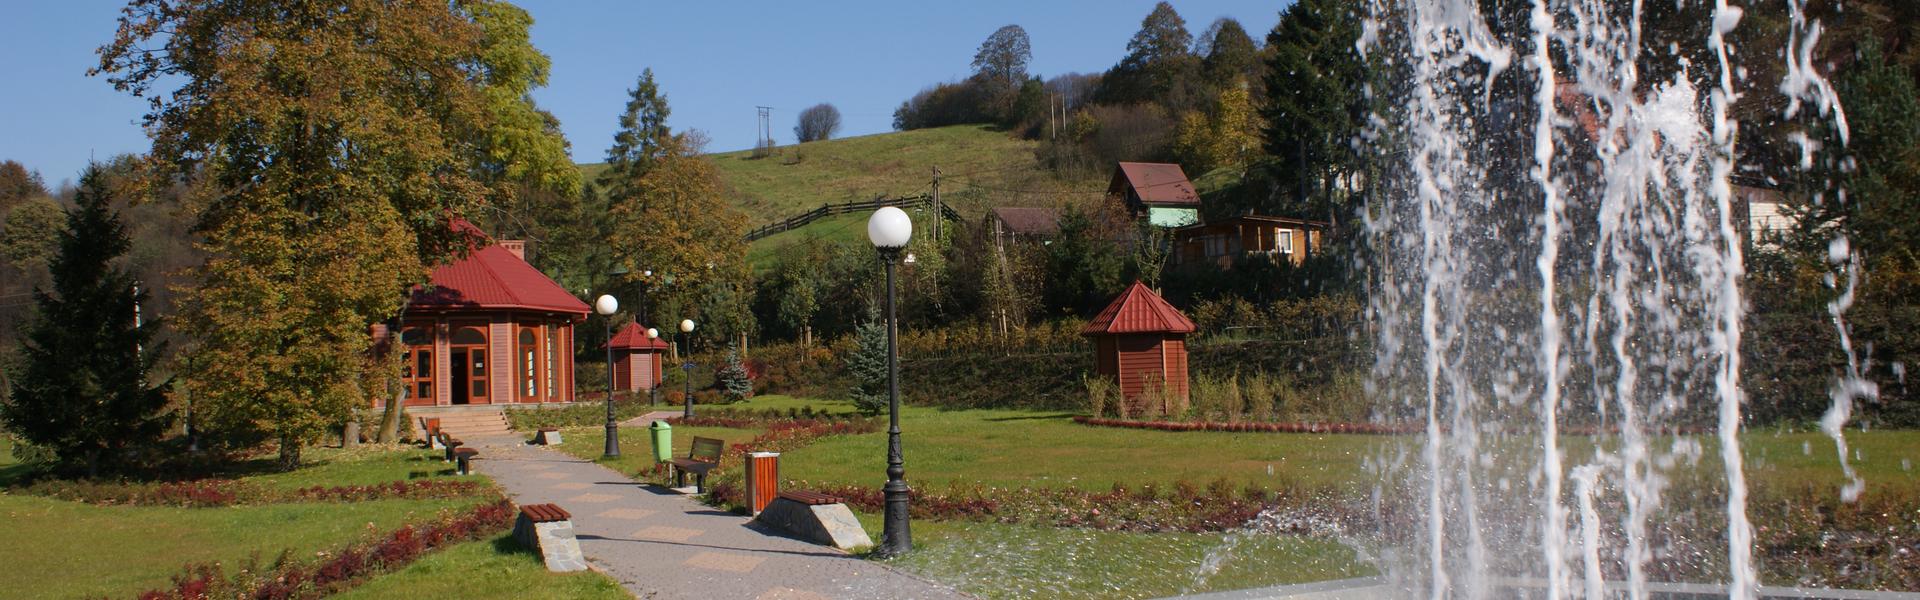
1313, 107
733, 376
868, 366
83, 394
641, 140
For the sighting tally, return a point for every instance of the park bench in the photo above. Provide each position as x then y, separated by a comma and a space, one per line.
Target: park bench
809, 498
451, 443
704, 456
463, 458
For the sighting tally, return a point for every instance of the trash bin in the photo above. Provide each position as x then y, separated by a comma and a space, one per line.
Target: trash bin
662, 435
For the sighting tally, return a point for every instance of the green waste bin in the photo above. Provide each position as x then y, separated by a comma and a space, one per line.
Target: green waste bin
662, 441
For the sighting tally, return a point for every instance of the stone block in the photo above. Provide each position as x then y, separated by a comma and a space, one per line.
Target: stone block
825, 524
549, 437
553, 539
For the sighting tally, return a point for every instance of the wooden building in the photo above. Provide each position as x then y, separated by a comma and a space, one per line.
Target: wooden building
636, 359
1140, 342
1157, 192
489, 329
1226, 240
1013, 225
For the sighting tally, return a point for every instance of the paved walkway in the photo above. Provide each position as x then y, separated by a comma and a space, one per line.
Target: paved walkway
660, 544
648, 419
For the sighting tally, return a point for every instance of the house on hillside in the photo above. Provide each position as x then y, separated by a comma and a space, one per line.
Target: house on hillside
1015, 225
1759, 210
1223, 241
488, 329
1157, 192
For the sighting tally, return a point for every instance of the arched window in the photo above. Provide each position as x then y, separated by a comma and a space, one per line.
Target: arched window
529, 355
553, 341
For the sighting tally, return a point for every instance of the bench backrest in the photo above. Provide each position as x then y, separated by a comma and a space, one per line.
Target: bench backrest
706, 449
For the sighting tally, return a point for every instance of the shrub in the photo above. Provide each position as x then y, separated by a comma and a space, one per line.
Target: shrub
1101, 394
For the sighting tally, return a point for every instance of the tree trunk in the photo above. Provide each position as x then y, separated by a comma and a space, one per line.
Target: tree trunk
93, 463
390, 417
350, 434
289, 452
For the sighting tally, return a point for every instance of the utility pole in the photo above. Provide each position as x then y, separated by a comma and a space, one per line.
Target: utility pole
937, 206
764, 145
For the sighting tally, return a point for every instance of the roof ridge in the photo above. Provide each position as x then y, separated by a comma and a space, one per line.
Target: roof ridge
487, 266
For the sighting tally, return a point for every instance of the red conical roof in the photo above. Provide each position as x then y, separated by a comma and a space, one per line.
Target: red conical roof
634, 337
1138, 310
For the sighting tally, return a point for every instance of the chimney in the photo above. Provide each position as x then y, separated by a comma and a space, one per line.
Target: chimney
517, 247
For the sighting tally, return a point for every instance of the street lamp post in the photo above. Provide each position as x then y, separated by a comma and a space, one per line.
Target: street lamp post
686, 354
606, 306
653, 388
889, 229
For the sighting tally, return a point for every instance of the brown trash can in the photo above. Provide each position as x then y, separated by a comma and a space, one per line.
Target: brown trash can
763, 480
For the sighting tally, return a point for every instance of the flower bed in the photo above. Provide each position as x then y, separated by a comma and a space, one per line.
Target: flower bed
1359, 428
336, 571
204, 493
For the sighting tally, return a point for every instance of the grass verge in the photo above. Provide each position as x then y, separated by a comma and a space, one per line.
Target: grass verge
490, 569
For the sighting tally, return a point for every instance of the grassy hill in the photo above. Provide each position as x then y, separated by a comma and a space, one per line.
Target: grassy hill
798, 178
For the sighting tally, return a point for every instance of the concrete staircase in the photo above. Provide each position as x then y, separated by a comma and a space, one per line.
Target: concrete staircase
463, 421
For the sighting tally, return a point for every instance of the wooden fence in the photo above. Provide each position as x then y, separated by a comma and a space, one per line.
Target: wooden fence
840, 208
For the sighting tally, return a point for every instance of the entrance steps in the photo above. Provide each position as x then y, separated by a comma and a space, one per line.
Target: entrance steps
463, 421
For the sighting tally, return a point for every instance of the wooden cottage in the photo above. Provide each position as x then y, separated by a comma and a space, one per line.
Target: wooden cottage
1157, 192
636, 359
1226, 240
489, 329
1140, 342
1013, 225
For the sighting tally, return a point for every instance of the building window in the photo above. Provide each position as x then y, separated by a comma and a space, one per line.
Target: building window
1283, 241
416, 372
1216, 245
530, 362
553, 341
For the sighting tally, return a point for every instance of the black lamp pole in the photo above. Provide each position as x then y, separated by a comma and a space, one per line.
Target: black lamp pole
613, 428
896, 538
686, 369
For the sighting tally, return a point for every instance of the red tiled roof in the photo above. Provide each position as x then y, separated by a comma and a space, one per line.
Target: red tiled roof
1156, 183
1138, 310
634, 337
493, 278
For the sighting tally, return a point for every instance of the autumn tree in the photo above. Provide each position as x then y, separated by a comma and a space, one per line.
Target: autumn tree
817, 122
18, 184
84, 393
330, 141
1228, 135
1000, 66
674, 220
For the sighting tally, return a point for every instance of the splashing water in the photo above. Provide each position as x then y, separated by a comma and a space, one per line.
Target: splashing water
1562, 254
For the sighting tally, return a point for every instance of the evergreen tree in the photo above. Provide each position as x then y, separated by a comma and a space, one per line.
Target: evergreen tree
642, 139
733, 376
1158, 65
1228, 54
1083, 264
868, 366
1313, 108
83, 394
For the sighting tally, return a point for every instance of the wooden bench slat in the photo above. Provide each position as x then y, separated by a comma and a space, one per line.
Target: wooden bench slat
809, 498
545, 513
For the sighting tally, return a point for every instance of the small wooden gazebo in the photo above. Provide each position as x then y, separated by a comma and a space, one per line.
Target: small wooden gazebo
1140, 342
636, 359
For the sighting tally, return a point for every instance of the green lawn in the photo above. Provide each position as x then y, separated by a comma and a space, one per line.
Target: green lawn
82, 550
636, 447
783, 402
993, 560
10, 467
498, 569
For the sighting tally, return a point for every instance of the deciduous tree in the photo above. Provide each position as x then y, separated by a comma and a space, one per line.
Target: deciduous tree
675, 220
330, 140
1000, 66
17, 184
817, 122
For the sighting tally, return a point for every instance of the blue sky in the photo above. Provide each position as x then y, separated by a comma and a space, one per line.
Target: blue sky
716, 61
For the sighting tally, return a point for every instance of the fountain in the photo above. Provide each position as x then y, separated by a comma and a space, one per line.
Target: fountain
1556, 286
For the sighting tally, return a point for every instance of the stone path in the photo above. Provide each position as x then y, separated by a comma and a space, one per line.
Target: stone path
660, 544
647, 419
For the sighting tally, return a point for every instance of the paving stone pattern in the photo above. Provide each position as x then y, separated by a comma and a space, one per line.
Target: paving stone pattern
660, 544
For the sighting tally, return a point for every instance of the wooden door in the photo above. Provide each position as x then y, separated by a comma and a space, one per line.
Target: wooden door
468, 349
